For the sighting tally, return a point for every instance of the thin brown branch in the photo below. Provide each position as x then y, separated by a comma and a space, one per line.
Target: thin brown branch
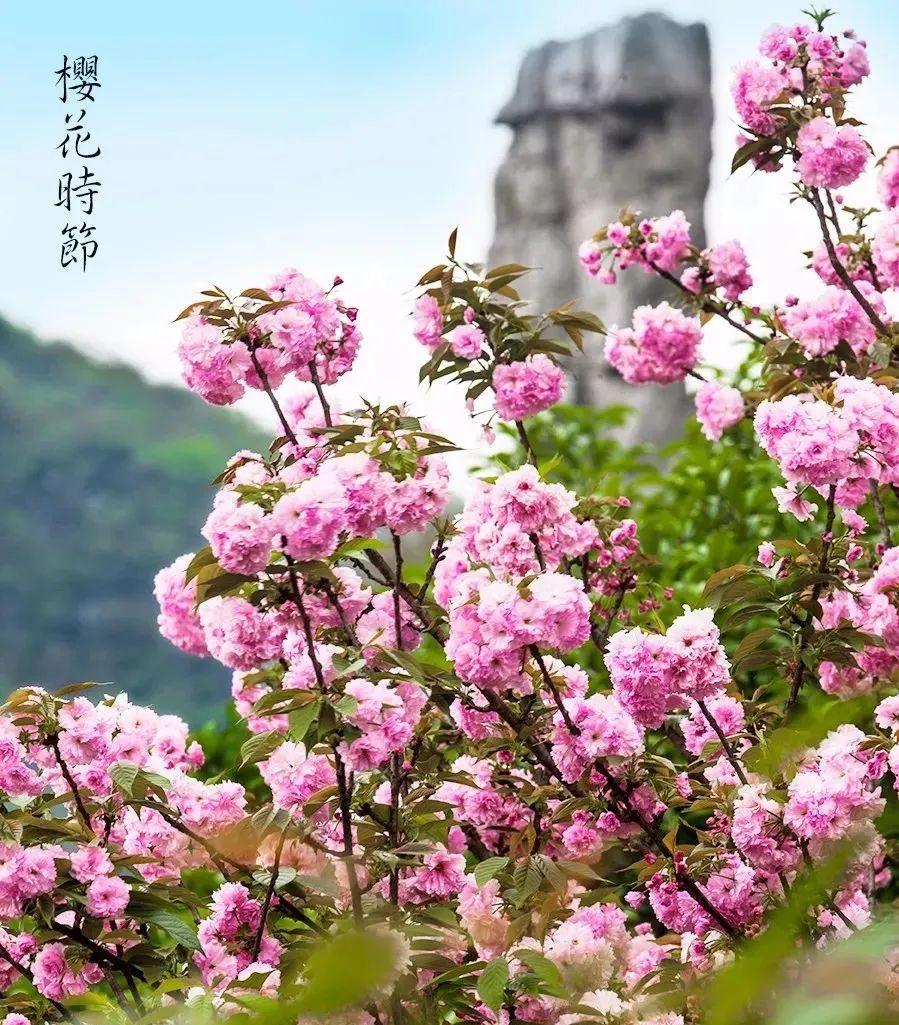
407, 594
805, 634
292, 911
100, 952
839, 269
877, 502
53, 741
729, 752
557, 697
526, 443
708, 305
135, 993
218, 859
337, 605
397, 584
263, 378
307, 624
269, 894
316, 380
600, 635
345, 797
436, 558
393, 829
119, 995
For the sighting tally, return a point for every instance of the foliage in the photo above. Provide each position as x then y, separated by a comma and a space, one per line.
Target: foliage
700, 505
105, 478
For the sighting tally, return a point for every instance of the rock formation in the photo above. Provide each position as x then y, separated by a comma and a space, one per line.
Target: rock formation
620, 117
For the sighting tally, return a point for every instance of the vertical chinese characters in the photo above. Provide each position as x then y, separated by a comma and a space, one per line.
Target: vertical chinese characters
78, 186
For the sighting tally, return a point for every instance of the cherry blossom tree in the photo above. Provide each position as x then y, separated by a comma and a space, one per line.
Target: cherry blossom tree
462, 819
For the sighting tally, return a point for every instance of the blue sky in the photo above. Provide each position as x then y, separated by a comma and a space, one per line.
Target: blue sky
342, 137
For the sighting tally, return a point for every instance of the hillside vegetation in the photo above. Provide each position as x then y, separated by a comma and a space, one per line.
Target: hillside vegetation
104, 479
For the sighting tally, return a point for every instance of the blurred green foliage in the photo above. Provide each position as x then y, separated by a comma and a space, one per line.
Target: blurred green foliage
221, 740
104, 479
699, 505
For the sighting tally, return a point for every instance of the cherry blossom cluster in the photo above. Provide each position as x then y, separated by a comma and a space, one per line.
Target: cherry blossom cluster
834, 316
803, 68
662, 245
718, 406
869, 606
292, 327
847, 446
654, 674
474, 325
114, 855
663, 343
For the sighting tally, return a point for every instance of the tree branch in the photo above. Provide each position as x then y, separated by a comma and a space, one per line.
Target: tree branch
839, 269
263, 378
729, 752
805, 634
316, 380
345, 798
526, 443
269, 894
53, 741
877, 502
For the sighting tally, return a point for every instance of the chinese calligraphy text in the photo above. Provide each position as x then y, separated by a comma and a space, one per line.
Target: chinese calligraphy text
78, 186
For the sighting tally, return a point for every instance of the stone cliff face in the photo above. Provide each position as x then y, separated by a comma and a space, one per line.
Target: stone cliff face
621, 117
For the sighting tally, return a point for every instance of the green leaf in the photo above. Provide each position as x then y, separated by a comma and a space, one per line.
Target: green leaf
259, 747
460, 971
487, 869
188, 310
214, 582
491, 986
345, 972
284, 877
545, 970
752, 641
123, 775
527, 879
747, 151
201, 560
578, 870
580, 319
281, 701
506, 268
346, 705
357, 545
318, 799
432, 275
76, 688
176, 927
721, 578
498, 284
300, 719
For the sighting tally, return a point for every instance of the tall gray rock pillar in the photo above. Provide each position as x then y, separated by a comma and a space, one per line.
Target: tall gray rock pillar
621, 117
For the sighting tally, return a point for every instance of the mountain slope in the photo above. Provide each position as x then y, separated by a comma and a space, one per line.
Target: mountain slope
104, 478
